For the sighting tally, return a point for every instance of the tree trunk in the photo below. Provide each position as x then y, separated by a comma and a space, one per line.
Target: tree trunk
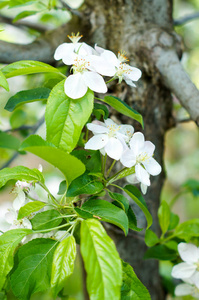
138, 27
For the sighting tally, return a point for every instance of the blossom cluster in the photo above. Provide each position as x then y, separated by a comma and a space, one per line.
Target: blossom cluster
23, 190
188, 270
121, 143
90, 64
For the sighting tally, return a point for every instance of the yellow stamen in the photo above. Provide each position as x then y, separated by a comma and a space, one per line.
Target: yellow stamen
75, 37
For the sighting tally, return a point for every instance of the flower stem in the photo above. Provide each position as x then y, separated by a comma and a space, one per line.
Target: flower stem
115, 175
49, 193
109, 170
51, 229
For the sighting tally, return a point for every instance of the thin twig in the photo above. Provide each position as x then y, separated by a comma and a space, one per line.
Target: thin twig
184, 120
73, 11
38, 27
15, 155
186, 19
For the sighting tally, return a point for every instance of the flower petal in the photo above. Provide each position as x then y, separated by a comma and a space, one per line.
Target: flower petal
132, 179
188, 252
195, 279
184, 289
127, 130
114, 148
142, 175
97, 142
183, 270
74, 86
137, 142
19, 201
129, 82
97, 128
149, 148
143, 188
128, 158
63, 50
152, 166
95, 82
100, 65
134, 74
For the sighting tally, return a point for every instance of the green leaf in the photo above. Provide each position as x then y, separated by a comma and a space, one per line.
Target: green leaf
174, 220
8, 242
26, 67
85, 184
106, 212
3, 82
25, 14
15, 3
132, 220
28, 96
136, 195
63, 263
192, 186
4, 3
164, 216
20, 173
151, 238
30, 208
8, 141
123, 108
124, 173
161, 252
90, 158
18, 118
65, 117
62, 188
69, 165
132, 288
121, 199
100, 110
187, 230
32, 273
46, 220
101, 261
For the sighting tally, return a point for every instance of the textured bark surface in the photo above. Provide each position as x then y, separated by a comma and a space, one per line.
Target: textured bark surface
137, 27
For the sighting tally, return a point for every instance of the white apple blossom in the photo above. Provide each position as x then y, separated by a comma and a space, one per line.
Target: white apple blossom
122, 70
66, 51
140, 155
132, 179
10, 220
190, 255
86, 68
189, 287
108, 137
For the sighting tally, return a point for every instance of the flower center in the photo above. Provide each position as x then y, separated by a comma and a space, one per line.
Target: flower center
74, 37
80, 65
113, 128
122, 57
142, 157
122, 69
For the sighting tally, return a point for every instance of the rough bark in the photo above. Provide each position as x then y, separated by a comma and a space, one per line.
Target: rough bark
118, 25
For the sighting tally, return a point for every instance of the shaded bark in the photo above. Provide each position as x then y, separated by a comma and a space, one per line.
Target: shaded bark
120, 24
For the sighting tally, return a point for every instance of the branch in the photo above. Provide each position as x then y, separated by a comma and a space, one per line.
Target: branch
176, 79
42, 49
73, 11
22, 24
186, 19
33, 128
